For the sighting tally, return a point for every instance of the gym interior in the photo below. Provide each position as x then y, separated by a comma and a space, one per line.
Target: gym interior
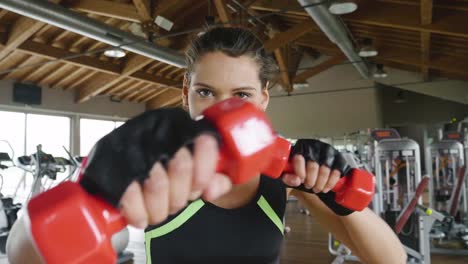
385, 82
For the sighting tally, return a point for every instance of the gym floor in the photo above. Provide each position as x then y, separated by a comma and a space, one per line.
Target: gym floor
306, 243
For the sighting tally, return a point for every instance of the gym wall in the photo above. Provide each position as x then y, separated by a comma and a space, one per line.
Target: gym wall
418, 108
339, 101
60, 100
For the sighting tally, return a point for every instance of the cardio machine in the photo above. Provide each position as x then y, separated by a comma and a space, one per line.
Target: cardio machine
8, 209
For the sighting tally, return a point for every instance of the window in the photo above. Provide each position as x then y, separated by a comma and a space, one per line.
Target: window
12, 131
91, 130
52, 132
24, 132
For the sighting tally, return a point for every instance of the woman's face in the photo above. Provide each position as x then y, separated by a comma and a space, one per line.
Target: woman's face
217, 77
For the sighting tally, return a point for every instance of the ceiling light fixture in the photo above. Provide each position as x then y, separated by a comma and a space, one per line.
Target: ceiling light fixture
115, 52
341, 7
380, 72
367, 49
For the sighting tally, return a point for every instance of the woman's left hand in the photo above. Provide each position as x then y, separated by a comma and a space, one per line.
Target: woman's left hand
316, 164
312, 175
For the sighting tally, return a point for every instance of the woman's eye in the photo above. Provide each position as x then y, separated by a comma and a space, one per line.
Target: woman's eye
204, 92
243, 95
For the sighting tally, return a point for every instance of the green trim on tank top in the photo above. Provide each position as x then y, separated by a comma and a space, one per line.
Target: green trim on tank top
265, 206
191, 210
171, 226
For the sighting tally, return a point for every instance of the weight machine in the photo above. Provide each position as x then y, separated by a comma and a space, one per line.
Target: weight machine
395, 162
446, 163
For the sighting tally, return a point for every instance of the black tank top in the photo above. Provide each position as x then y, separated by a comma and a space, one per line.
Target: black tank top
205, 233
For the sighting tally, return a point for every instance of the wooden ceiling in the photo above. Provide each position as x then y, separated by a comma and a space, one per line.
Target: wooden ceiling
427, 36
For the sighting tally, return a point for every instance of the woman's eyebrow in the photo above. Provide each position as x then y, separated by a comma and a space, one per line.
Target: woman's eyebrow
203, 84
243, 88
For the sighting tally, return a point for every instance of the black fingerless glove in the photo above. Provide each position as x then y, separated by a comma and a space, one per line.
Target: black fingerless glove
129, 152
323, 154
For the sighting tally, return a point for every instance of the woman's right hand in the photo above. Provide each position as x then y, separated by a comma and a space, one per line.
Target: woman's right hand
165, 192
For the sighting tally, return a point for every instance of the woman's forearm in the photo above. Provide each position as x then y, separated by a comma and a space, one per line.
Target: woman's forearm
370, 234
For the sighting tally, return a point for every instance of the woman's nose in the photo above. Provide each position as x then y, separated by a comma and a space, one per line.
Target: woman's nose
223, 97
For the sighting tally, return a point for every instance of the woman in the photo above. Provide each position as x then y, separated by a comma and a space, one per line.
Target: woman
240, 223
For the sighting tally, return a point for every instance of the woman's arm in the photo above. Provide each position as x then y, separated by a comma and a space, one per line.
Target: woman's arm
19, 247
366, 234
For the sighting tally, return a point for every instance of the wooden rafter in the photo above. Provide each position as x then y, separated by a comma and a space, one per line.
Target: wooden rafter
152, 95
130, 96
66, 70
167, 98
143, 9
283, 70
223, 14
69, 78
128, 89
53, 76
84, 78
303, 76
282, 38
22, 68
21, 31
144, 94
426, 19
108, 8
425, 54
391, 15
119, 86
48, 52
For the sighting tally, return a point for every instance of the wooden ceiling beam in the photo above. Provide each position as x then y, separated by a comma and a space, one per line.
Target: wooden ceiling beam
390, 15
223, 13
426, 19
53, 77
461, 6
3, 12
282, 38
153, 95
139, 98
69, 78
145, 94
52, 53
133, 64
108, 8
167, 98
20, 32
21, 68
426, 12
283, 70
134, 86
407, 57
425, 54
84, 78
130, 96
143, 9
119, 86
309, 73
162, 81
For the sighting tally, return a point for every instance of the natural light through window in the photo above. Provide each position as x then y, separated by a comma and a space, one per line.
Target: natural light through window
91, 130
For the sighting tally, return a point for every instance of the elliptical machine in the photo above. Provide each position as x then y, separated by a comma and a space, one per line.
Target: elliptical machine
8, 209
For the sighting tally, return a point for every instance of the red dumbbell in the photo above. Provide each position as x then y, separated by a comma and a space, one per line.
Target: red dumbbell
250, 146
82, 224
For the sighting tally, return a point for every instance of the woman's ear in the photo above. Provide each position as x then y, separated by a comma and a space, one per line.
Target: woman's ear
185, 87
265, 97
